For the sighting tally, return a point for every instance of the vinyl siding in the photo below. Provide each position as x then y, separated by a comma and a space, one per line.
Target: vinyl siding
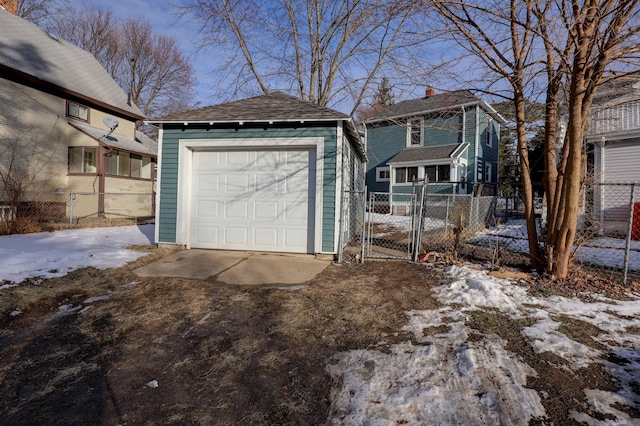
33, 127
384, 141
169, 168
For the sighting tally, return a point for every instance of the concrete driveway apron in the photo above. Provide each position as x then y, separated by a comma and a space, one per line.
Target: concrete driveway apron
236, 267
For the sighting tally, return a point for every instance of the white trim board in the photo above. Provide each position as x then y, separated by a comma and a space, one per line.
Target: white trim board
185, 171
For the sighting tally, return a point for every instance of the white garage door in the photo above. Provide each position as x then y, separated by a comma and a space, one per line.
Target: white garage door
253, 200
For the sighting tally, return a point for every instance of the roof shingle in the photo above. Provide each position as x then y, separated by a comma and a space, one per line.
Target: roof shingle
426, 153
29, 50
273, 106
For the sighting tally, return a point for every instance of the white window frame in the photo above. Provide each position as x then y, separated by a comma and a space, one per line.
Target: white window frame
489, 139
419, 172
383, 169
437, 167
84, 151
78, 111
410, 127
488, 172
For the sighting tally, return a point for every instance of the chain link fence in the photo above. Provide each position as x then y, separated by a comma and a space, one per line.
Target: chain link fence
352, 227
608, 240
391, 222
35, 212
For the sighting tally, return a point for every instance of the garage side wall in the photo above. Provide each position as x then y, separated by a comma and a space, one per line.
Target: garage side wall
168, 200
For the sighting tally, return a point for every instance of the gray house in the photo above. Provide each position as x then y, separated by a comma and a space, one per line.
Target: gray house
613, 149
265, 173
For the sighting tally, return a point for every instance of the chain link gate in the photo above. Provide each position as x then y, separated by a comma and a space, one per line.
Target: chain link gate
392, 225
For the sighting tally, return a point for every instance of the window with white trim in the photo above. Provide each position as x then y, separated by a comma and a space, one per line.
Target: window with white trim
383, 174
488, 172
121, 163
414, 132
489, 133
78, 111
82, 160
406, 174
438, 173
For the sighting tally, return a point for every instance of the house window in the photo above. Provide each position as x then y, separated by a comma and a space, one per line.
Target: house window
82, 160
120, 163
488, 172
406, 174
78, 111
414, 130
439, 173
383, 174
489, 134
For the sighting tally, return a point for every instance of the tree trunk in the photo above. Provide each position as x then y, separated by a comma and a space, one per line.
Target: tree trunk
527, 187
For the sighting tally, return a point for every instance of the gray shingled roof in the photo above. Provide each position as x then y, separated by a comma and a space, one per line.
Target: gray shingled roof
26, 49
274, 106
271, 107
427, 153
438, 102
142, 144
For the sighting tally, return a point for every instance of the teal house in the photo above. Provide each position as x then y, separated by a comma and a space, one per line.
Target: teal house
450, 139
267, 173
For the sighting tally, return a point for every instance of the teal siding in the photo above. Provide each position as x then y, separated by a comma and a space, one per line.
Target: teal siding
384, 141
167, 222
442, 129
387, 139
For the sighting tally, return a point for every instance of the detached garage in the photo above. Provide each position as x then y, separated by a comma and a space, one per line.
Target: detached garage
265, 174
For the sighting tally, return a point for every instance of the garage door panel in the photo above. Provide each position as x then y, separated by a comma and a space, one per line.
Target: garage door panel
296, 183
236, 210
236, 236
266, 210
268, 160
294, 238
265, 237
252, 200
237, 184
238, 159
207, 234
205, 162
295, 211
268, 184
207, 209
207, 183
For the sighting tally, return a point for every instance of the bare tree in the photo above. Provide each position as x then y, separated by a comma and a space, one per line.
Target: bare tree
94, 30
150, 67
501, 36
573, 45
35, 10
153, 69
324, 51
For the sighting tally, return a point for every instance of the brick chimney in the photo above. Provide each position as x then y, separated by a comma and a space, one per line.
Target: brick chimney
10, 5
430, 91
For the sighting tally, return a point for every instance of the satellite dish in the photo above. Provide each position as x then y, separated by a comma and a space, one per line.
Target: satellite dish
110, 122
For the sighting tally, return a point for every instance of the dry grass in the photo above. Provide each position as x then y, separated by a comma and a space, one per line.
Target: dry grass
226, 355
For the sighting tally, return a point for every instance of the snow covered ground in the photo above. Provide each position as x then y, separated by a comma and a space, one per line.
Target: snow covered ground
602, 251
54, 254
450, 379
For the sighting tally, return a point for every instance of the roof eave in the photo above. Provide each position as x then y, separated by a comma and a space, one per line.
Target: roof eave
480, 102
48, 87
240, 122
